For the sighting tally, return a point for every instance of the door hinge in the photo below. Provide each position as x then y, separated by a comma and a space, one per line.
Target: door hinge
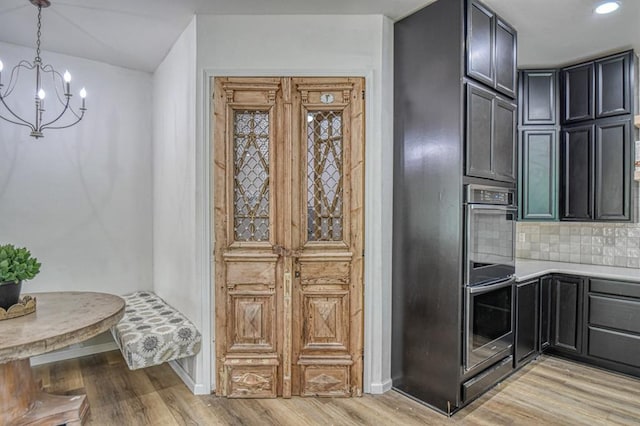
363, 94
362, 253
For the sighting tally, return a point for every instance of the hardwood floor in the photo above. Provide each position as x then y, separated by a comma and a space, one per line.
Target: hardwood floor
549, 391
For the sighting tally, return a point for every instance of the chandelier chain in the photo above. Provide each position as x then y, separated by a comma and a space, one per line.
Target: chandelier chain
39, 34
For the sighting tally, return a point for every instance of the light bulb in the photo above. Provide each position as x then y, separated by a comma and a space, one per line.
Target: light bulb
41, 94
1, 66
83, 93
67, 77
607, 7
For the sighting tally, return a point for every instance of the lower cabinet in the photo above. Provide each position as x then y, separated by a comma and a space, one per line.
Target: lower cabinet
593, 320
566, 314
527, 320
545, 312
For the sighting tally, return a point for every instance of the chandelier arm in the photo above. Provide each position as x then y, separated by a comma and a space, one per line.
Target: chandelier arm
66, 107
15, 73
18, 123
26, 123
64, 127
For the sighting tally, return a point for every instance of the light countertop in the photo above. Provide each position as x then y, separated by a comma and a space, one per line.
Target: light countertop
527, 269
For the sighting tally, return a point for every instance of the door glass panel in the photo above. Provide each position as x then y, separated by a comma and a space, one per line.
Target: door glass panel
491, 317
492, 237
251, 175
324, 176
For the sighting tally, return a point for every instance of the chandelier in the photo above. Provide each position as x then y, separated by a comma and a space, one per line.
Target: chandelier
58, 89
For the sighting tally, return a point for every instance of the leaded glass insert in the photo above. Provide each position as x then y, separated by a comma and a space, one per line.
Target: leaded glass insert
251, 175
324, 176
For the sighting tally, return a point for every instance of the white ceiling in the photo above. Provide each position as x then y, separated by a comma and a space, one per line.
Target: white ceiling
138, 33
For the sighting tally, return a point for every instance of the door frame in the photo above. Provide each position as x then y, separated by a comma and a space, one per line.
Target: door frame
377, 288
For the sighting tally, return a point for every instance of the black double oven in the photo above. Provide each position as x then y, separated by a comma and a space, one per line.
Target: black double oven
490, 220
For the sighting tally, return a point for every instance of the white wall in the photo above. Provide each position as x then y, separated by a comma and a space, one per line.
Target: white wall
174, 183
80, 198
347, 45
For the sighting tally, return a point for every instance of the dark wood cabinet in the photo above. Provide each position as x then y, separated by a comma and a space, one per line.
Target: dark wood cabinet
527, 321
546, 289
577, 171
613, 86
613, 325
539, 97
491, 49
598, 89
593, 320
481, 43
596, 175
447, 108
578, 93
566, 332
539, 173
506, 71
612, 155
490, 132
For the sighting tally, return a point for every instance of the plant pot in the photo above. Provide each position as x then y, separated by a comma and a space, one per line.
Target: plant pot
9, 294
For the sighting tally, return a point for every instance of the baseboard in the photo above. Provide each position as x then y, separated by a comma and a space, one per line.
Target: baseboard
73, 352
195, 388
379, 388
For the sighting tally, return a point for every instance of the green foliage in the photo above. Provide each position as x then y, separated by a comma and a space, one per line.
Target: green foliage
16, 264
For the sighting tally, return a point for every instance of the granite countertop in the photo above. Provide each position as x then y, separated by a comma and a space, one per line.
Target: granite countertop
527, 269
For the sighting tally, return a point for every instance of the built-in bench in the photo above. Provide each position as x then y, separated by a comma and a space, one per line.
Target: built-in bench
152, 332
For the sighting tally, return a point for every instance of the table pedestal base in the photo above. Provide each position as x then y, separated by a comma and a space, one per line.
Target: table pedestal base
22, 402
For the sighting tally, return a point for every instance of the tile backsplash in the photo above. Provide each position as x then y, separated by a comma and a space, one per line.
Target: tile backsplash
613, 244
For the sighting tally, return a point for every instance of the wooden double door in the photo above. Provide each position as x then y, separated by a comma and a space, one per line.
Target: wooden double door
289, 221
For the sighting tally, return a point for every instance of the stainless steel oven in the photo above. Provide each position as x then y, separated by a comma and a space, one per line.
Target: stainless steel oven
490, 221
489, 324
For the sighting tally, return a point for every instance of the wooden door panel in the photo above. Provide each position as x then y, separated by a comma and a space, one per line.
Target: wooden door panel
326, 326
247, 116
288, 180
327, 347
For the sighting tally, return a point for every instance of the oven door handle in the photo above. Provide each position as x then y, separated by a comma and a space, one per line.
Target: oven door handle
492, 207
490, 287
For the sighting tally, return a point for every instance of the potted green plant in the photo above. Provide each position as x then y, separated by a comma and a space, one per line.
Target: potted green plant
16, 265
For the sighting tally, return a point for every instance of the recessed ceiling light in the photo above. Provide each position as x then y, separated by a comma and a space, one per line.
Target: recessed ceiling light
607, 7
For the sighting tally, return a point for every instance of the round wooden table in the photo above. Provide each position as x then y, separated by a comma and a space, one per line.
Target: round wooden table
61, 319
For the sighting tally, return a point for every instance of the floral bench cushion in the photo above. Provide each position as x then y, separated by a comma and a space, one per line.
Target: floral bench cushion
152, 332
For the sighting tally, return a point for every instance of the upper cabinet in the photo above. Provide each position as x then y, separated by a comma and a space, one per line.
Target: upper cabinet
491, 133
577, 93
613, 88
491, 49
539, 97
598, 89
590, 177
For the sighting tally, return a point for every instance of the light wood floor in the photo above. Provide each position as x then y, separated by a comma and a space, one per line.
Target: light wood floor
549, 391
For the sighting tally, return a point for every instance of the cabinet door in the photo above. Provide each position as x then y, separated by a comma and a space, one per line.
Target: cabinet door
612, 174
527, 319
538, 97
480, 43
503, 148
567, 314
539, 174
613, 89
545, 312
576, 186
506, 70
479, 131
578, 100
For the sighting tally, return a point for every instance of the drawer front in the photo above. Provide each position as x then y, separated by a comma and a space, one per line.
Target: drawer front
614, 346
614, 313
483, 381
617, 288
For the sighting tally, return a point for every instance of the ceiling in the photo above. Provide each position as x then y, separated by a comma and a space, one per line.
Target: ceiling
138, 33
